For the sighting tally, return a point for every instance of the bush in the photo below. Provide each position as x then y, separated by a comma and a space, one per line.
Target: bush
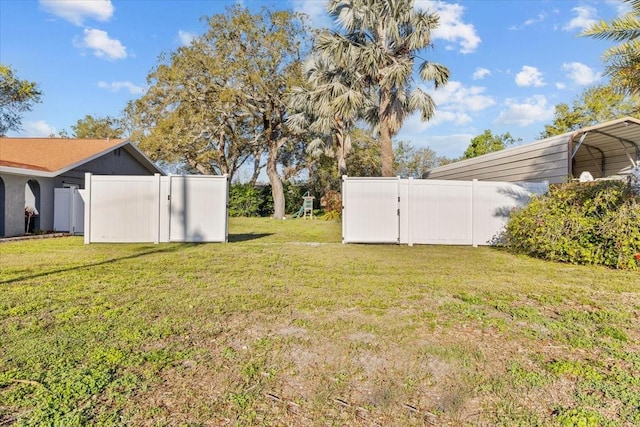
249, 200
594, 223
244, 200
332, 204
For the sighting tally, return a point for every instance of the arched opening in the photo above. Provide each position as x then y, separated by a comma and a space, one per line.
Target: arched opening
31, 206
3, 207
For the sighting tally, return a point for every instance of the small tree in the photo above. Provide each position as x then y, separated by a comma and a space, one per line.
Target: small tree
98, 127
410, 161
487, 142
16, 97
594, 105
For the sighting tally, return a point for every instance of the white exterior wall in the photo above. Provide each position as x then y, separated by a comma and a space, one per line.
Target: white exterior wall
15, 199
429, 211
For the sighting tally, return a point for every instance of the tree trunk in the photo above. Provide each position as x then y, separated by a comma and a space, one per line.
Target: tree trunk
277, 189
257, 158
386, 148
341, 153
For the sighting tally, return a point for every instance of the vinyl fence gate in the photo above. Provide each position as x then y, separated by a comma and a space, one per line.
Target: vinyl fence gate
68, 210
155, 209
424, 211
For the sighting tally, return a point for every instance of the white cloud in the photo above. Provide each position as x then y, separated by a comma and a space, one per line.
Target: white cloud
531, 21
529, 76
454, 96
481, 73
101, 44
316, 10
117, 86
541, 17
585, 17
38, 128
455, 103
451, 146
560, 85
419, 133
534, 109
185, 37
451, 26
581, 74
77, 11
622, 8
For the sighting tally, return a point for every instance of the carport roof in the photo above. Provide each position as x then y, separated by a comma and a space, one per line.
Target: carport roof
622, 133
625, 130
52, 156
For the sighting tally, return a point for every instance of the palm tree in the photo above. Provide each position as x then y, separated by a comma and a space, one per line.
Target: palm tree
329, 107
623, 59
381, 41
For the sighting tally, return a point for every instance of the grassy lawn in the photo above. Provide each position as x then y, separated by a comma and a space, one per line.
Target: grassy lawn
284, 325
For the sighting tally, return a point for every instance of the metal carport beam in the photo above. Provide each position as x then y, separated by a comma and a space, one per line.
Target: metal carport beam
622, 142
577, 147
600, 167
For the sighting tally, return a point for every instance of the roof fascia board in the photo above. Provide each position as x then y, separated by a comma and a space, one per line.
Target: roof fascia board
27, 172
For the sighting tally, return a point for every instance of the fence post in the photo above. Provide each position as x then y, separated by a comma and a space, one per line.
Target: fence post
87, 208
158, 204
474, 215
344, 211
408, 215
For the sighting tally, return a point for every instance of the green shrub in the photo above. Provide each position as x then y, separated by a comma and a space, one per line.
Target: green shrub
595, 223
244, 200
248, 200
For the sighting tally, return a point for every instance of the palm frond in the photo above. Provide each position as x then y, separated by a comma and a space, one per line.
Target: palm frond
437, 73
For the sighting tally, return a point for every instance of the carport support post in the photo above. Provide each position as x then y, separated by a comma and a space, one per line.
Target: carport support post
87, 208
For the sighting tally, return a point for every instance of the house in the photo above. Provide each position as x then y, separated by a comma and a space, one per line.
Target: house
604, 150
31, 168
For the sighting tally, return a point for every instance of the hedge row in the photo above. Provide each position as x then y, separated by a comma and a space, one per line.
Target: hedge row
594, 223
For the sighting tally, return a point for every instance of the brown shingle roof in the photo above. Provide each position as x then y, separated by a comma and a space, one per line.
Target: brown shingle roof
51, 154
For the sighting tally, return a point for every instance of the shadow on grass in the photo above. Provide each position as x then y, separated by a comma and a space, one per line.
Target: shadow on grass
247, 236
173, 248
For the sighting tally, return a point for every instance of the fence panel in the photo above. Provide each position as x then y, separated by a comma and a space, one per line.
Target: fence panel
197, 214
121, 209
430, 211
440, 212
370, 210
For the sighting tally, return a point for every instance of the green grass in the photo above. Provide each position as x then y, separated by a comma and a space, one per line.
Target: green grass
284, 325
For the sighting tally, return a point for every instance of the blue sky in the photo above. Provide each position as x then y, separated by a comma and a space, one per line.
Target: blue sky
511, 62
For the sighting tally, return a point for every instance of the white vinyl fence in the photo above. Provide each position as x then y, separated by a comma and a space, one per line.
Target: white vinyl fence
123, 209
68, 210
417, 211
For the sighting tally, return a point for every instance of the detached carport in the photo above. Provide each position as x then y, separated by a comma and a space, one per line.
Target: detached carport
604, 150
607, 149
